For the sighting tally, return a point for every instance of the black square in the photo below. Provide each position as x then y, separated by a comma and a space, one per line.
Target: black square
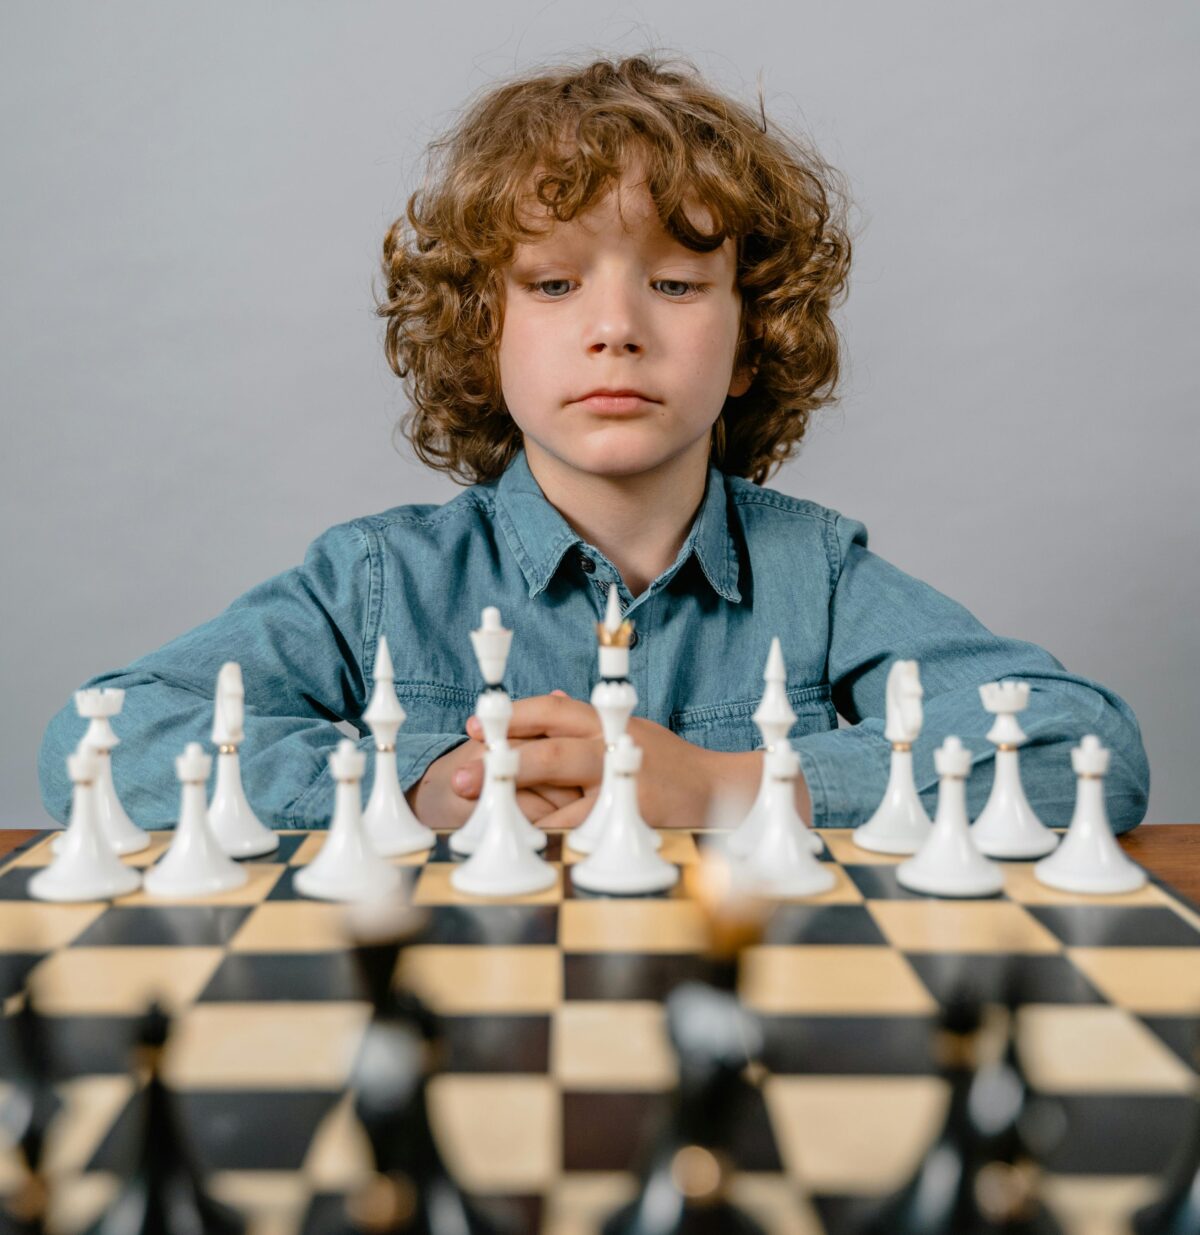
1181, 1034
14, 883
1116, 926
1036, 978
879, 883
790, 925
629, 975
289, 842
1119, 1134
164, 926
441, 851
302, 977
14, 966
496, 1043
92, 1045
510, 1214
616, 1131
480, 925
238, 1130
848, 1045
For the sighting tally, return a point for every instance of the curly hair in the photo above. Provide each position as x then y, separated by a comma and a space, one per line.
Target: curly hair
570, 132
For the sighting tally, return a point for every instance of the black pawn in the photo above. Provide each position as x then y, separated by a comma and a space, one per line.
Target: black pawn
27, 1117
976, 1178
163, 1196
411, 1191
1177, 1211
684, 1186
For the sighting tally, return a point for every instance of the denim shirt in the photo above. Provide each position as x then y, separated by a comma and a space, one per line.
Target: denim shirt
756, 563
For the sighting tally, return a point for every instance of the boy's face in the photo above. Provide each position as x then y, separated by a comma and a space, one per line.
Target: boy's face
620, 305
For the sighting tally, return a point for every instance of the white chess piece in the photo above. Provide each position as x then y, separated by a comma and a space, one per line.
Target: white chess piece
494, 710
774, 717
948, 863
1089, 858
388, 818
625, 860
782, 862
614, 697
503, 863
347, 868
237, 829
1007, 827
900, 824
98, 707
85, 867
194, 864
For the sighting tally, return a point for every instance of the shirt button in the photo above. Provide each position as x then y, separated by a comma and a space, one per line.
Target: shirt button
586, 564
633, 639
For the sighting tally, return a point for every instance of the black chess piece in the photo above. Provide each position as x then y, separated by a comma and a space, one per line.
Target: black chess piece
164, 1195
1177, 1210
684, 1188
410, 1191
27, 1116
977, 1178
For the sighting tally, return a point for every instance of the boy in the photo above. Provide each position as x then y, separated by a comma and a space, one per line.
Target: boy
611, 305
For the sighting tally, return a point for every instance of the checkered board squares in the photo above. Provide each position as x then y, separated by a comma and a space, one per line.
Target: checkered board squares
557, 1068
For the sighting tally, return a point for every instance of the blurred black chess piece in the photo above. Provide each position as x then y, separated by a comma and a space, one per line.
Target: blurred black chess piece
26, 1117
1177, 1210
164, 1195
684, 1188
979, 1176
410, 1190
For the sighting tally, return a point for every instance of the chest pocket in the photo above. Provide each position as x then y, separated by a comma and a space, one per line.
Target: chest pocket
431, 707
731, 727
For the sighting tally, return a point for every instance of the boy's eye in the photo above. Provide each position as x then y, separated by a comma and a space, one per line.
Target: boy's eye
542, 284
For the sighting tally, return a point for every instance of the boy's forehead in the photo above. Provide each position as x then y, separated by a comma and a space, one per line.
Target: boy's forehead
624, 214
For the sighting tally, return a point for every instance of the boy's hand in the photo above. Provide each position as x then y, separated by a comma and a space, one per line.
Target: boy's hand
437, 805
563, 747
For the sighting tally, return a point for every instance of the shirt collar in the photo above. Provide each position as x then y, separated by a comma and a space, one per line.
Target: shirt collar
539, 536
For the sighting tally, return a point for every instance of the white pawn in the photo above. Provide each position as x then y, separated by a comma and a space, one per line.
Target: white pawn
85, 867
614, 697
900, 824
237, 829
1089, 858
503, 863
1007, 827
774, 717
782, 862
98, 707
948, 863
388, 818
194, 864
494, 710
348, 868
625, 860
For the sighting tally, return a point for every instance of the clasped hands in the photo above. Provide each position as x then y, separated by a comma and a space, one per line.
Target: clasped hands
561, 763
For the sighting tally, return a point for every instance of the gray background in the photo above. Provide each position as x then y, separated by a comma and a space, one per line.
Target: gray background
193, 384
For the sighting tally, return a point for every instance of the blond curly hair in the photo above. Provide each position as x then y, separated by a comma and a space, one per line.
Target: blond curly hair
571, 132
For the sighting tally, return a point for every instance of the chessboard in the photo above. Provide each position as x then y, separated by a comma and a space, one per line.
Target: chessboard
557, 1068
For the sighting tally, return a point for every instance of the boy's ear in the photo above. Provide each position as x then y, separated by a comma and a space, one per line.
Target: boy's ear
742, 380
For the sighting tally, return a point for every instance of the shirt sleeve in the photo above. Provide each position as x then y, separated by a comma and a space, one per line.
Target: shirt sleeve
879, 614
305, 640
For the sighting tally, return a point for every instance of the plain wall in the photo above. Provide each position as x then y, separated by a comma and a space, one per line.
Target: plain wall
194, 387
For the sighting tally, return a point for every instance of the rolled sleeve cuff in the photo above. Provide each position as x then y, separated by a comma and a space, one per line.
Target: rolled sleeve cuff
846, 771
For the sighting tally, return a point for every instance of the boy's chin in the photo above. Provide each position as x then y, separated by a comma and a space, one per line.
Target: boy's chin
606, 455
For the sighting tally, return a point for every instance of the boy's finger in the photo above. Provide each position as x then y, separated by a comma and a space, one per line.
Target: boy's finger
553, 715
569, 816
561, 761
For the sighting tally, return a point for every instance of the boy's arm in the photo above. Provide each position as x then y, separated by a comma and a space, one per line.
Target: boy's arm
879, 614
306, 643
